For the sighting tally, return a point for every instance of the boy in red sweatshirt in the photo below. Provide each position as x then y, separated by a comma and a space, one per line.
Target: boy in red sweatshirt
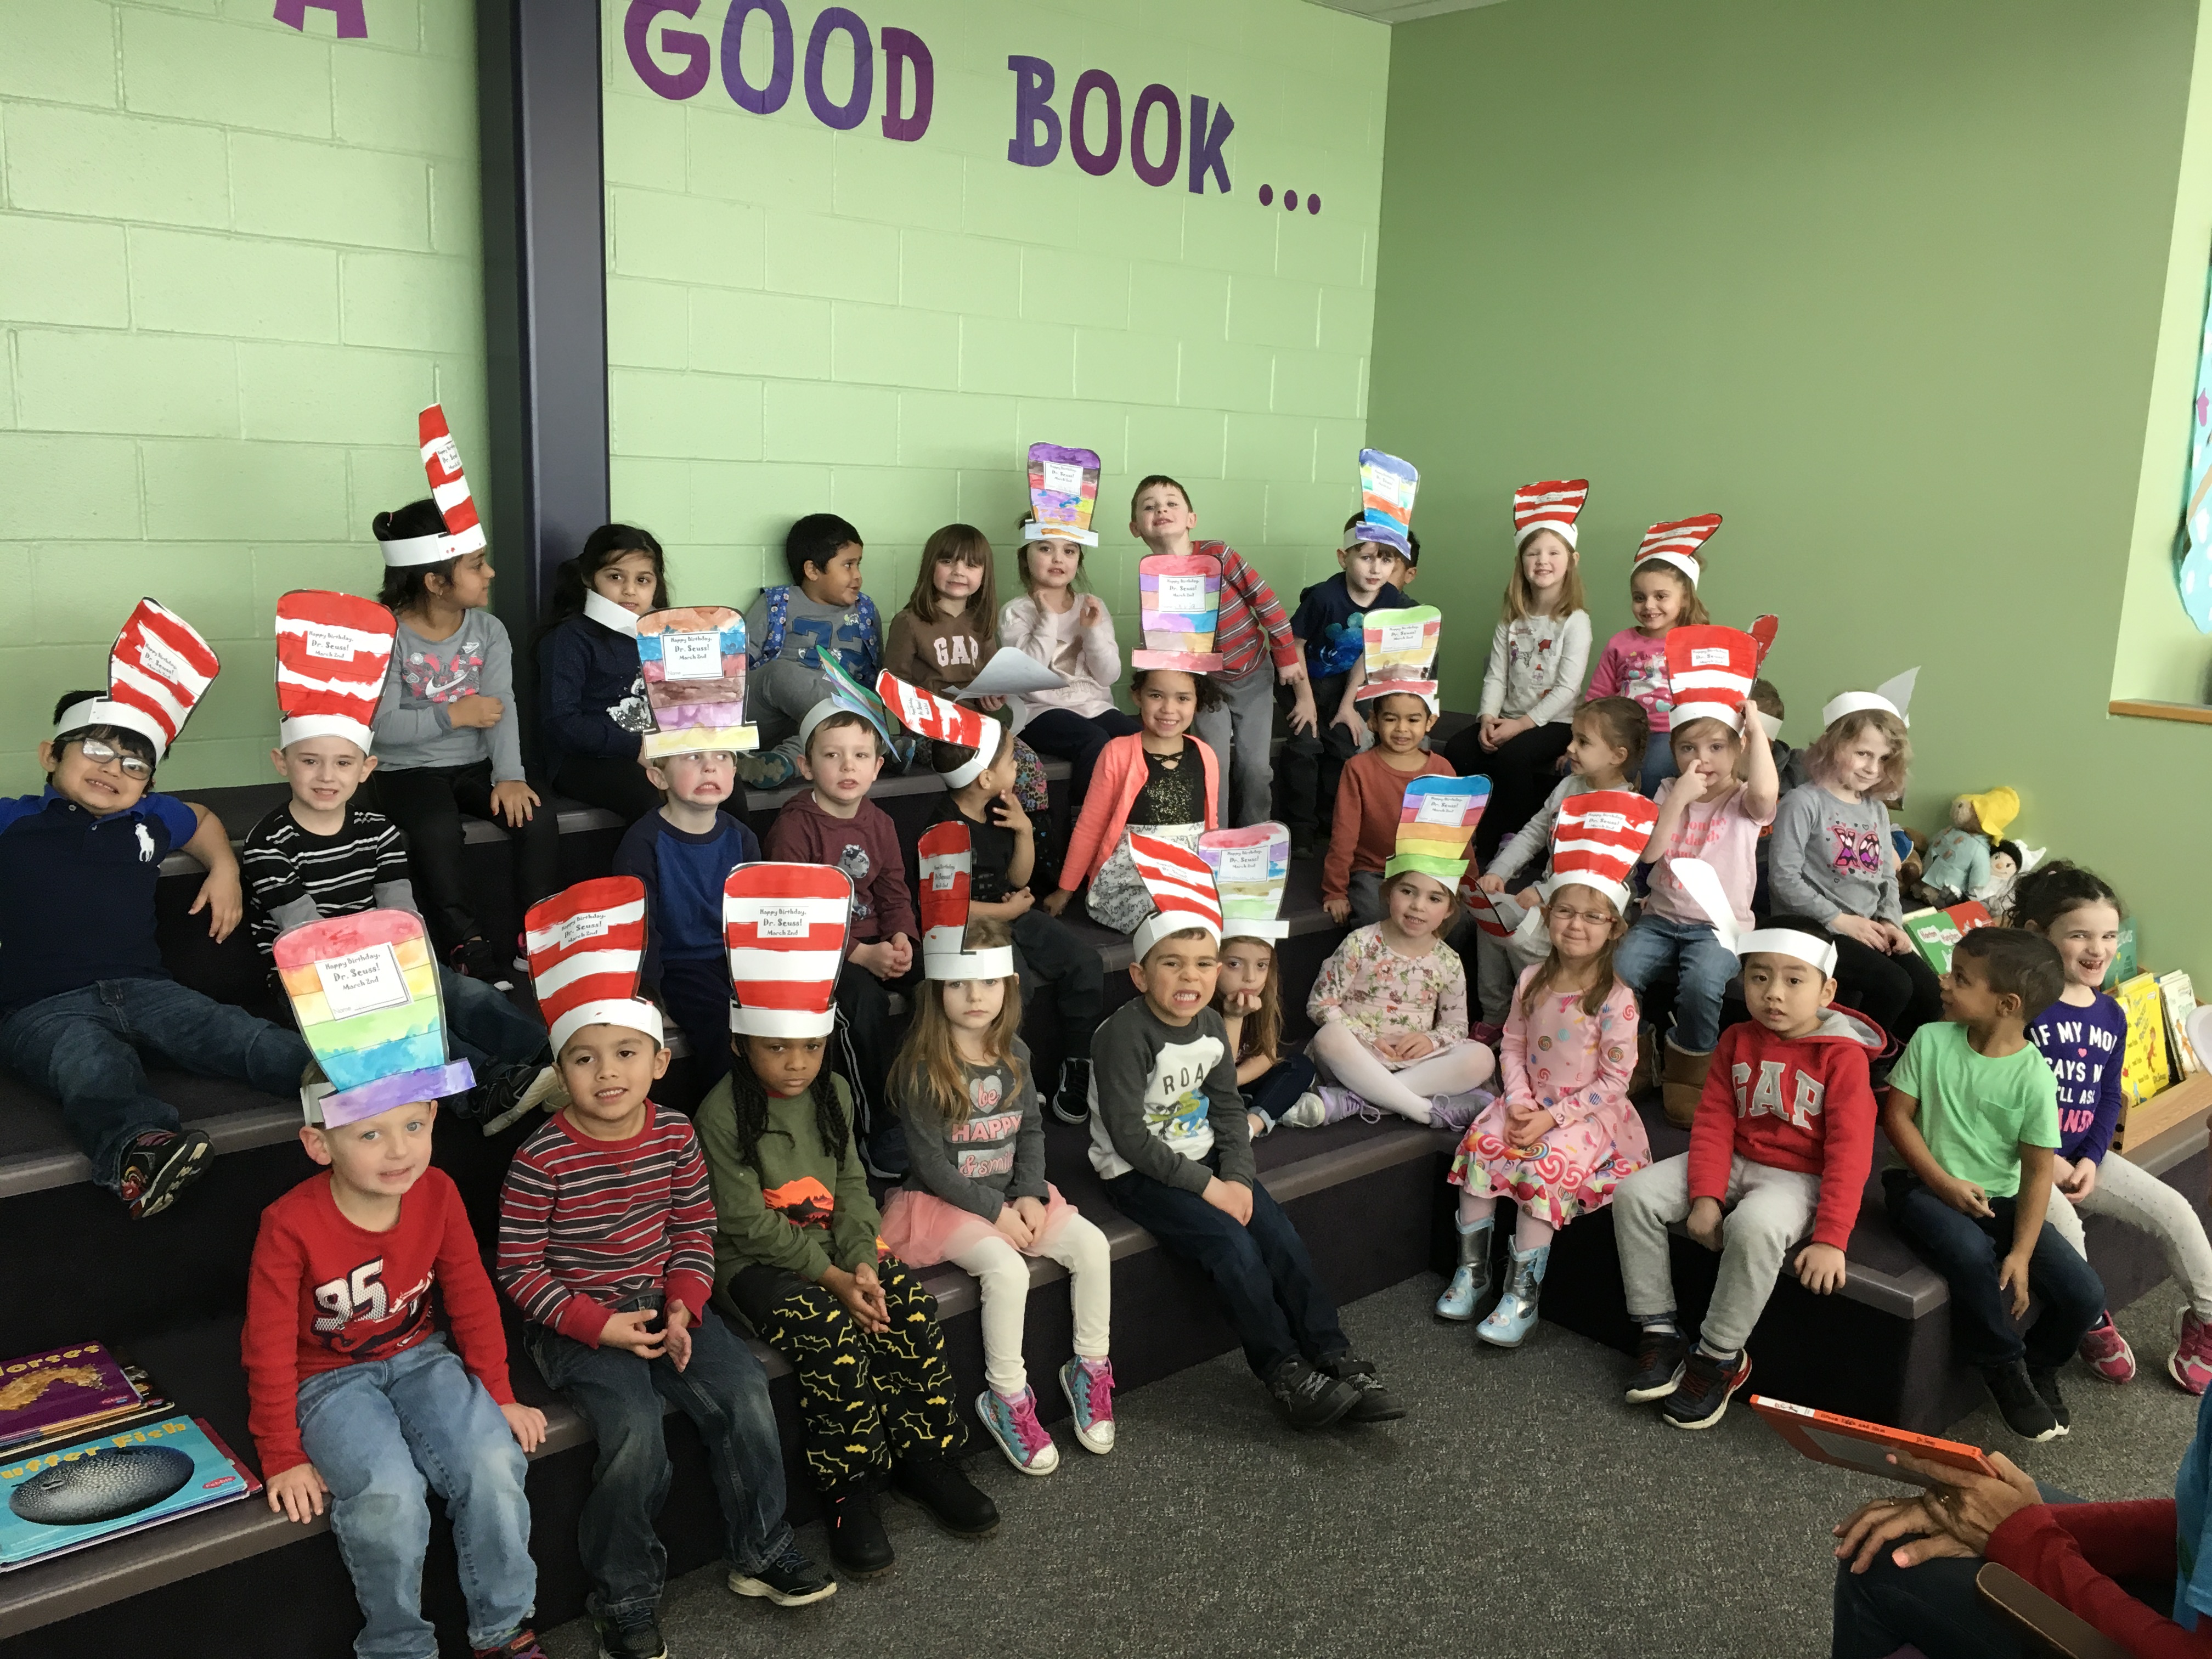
1782, 1142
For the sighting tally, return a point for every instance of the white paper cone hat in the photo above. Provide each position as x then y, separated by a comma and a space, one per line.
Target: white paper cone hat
1703, 883
1892, 696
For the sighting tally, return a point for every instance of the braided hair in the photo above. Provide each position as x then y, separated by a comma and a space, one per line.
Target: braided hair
750, 1099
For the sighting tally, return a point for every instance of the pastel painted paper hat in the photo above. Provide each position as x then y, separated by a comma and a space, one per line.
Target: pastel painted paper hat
1063, 494
692, 661
846, 696
1677, 543
333, 652
1386, 487
1597, 841
1710, 670
587, 945
948, 870
940, 720
785, 926
364, 989
1251, 869
1178, 610
1400, 654
449, 487
157, 672
1703, 883
1892, 696
1180, 884
1553, 505
1435, 825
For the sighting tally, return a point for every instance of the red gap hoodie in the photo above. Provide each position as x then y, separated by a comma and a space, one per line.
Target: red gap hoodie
1800, 1104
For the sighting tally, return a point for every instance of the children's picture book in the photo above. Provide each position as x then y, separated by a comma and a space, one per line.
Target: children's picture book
2123, 957
1936, 933
1850, 1443
2144, 1071
44, 1393
2180, 993
54, 1501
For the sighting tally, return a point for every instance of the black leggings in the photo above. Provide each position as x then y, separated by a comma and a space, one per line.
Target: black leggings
1522, 773
428, 804
615, 782
1899, 994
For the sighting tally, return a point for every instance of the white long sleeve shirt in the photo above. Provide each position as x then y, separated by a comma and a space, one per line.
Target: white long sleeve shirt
1088, 658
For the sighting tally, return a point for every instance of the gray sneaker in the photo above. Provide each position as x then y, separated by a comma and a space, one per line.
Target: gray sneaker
1455, 1112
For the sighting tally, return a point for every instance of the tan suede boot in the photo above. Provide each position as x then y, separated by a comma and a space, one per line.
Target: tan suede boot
1685, 1081
1647, 1065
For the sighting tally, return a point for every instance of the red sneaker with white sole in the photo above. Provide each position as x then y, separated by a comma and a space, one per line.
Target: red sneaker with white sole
2191, 1365
2107, 1351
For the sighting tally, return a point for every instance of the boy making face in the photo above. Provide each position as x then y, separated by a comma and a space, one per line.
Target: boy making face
696, 786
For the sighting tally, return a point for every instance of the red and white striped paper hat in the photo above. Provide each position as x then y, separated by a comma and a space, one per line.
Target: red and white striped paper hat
333, 652
1181, 884
449, 487
158, 671
786, 927
940, 720
587, 945
1597, 840
1553, 505
1708, 673
948, 868
1677, 543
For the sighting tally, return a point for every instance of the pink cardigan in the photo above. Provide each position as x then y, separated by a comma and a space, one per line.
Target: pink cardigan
1115, 782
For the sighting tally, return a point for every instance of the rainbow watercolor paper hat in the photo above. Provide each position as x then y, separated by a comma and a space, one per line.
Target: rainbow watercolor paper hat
1386, 487
846, 696
1400, 654
785, 926
449, 489
1435, 825
693, 658
364, 989
948, 870
1251, 868
1063, 494
333, 653
1178, 609
158, 671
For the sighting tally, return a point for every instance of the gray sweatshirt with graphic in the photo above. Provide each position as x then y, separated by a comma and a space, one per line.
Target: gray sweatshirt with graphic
414, 721
1828, 857
1164, 1097
994, 1155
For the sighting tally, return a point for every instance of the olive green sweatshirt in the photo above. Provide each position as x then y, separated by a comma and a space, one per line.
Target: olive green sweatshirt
803, 1211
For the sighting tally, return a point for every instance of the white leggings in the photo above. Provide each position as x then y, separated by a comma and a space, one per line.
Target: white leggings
1004, 1273
1408, 1089
2148, 1205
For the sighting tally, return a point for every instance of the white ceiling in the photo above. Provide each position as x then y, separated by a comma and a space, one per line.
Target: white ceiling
1401, 11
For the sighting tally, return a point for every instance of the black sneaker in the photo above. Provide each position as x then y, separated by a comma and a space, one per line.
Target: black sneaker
515, 1091
789, 1581
1375, 1405
158, 1165
1658, 1366
479, 958
938, 1485
1702, 1397
1309, 1399
1070, 1101
2020, 1404
640, 1640
858, 1543
2045, 1384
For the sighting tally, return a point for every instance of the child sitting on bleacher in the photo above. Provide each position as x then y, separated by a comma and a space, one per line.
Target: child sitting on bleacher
796, 1251
590, 696
82, 989
788, 627
1973, 1114
1662, 592
1783, 1137
1277, 1088
977, 1196
358, 1396
606, 1243
319, 855
1400, 697
1169, 1138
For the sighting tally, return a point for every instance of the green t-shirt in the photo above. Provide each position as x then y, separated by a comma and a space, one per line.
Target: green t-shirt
1977, 1113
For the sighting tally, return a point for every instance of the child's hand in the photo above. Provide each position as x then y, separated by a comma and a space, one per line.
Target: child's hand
678, 1330
516, 801
864, 1303
875, 958
1294, 673
1821, 1268
1232, 1198
1503, 731
629, 1331
221, 897
902, 950
1896, 941
1015, 1226
1348, 718
871, 1289
526, 1424
1339, 909
1303, 717
1016, 904
1091, 613
1011, 815
297, 1493
1704, 1223
1485, 733
1490, 884
2012, 1275
1868, 933
1056, 900
988, 705
2079, 1179
1526, 1126
1964, 1197
1528, 898
1241, 1003
475, 710
1255, 1124
1034, 1211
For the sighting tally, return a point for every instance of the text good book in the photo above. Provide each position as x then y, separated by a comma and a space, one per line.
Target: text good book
43, 1391
1936, 933
1850, 1444
2143, 1071
53, 1502
2178, 993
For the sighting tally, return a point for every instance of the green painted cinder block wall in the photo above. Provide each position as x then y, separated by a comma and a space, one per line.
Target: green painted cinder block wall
1883, 285
801, 320
235, 259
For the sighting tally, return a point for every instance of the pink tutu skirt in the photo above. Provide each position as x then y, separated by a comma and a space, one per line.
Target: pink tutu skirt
922, 1230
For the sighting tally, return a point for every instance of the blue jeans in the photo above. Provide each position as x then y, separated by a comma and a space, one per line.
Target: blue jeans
724, 1390
484, 1028
1658, 763
83, 1047
1934, 1606
1703, 967
1966, 1250
1261, 1270
1275, 1091
380, 1432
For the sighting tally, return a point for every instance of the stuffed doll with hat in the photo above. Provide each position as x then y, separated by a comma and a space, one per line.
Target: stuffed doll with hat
1957, 863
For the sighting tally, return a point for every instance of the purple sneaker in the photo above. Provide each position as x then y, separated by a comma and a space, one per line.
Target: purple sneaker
1015, 1431
1455, 1112
1326, 1103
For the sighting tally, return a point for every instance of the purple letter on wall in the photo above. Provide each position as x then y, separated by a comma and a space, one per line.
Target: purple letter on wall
1100, 161
854, 110
1033, 109
352, 25
901, 49
1153, 97
1205, 145
637, 26
761, 100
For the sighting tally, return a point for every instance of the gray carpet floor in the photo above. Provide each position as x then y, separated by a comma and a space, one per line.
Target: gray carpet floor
1520, 1509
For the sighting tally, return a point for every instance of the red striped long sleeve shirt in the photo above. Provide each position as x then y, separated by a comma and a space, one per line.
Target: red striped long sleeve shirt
1251, 616
586, 1224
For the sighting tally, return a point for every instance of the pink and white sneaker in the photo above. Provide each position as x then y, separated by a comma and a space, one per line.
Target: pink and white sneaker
2107, 1351
2191, 1364
1089, 1386
1015, 1431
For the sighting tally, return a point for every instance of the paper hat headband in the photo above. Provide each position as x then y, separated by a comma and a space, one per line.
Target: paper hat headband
449, 487
1063, 494
1435, 825
1178, 609
785, 926
333, 652
1708, 673
1251, 867
693, 660
1182, 889
846, 696
948, 868
940, 720
1703, 883
364, 989
1386, 487
1597, 843
1677, 543
157, 672
1892, 696
1553, 505
585, 946
1401, 650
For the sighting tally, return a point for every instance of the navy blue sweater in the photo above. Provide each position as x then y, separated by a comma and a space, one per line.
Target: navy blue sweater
589, 691
682, 875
